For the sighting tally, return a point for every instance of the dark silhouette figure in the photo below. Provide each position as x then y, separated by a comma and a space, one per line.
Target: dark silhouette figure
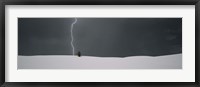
79, 54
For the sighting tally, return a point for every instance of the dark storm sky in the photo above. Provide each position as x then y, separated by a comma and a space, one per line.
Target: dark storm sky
104, 37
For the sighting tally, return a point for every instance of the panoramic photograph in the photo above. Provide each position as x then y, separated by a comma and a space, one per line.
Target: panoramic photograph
99, 43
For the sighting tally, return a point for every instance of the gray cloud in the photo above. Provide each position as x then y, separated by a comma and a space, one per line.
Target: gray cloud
104, 37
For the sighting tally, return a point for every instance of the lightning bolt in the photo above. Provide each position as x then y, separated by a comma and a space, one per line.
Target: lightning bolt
72, 38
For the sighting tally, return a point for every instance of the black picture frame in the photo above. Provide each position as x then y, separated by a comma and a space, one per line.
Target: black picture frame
98, 2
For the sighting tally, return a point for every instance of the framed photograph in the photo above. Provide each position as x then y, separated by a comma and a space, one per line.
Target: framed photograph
71, 43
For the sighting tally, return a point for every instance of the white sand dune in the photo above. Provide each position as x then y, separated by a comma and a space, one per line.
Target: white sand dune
87, 62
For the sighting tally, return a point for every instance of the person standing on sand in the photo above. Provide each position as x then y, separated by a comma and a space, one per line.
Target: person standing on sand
79, 54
